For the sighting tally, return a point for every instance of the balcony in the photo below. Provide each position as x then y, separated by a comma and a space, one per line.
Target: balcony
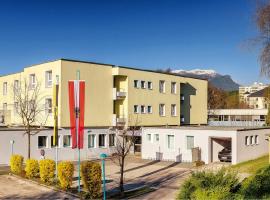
119, 94
182, 97
119, 120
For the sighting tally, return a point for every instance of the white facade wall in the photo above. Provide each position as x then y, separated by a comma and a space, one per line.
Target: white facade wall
202, 139
64, 153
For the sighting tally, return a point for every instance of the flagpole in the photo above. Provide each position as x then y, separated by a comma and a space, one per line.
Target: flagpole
56, 140
77, 132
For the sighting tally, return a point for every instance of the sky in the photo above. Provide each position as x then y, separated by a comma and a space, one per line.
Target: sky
149, 34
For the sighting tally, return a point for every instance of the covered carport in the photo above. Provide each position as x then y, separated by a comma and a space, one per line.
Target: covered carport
217, 145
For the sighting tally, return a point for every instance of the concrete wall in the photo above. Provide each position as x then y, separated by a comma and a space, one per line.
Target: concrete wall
202, 139
64, 153
252, 151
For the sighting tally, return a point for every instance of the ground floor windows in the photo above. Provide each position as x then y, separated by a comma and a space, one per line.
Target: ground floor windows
67, 141
148, 137
156, 136
251, 140
42, 141
101, 140
52, 141
91, 141
170, 141
190, 142
112, 140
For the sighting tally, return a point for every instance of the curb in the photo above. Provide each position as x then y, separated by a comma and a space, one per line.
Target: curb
47, 186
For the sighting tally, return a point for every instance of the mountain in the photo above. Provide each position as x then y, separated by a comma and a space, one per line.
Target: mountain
223, 82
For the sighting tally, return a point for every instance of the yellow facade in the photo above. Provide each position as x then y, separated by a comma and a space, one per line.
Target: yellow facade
111, 96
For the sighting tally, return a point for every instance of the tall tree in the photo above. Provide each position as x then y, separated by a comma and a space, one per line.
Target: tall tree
29, 107
216, 98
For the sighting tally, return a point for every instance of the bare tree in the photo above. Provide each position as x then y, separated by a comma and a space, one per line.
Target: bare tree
29, 108
125, 139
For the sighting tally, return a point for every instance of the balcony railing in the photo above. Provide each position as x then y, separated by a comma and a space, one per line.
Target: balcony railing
119, 120
119, 94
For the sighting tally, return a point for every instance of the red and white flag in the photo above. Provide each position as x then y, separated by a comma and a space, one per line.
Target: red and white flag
76, 108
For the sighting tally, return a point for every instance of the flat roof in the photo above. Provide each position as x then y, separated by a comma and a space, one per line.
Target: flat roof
112, 65
224, 128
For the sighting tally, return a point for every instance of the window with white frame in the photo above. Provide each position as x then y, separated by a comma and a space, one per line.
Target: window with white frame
52, 141
101, 140
162, 86
48, 78
170, 141
251, 138
5, 106
42, 141
143, 110
162, 109
66, 140
16, 85
32, 81
143, 84
136, 109
136, 84
247, 140
149, 109
173, 109
173, 87
148, 136
156, 137
150, 85
5, 88
111, 140
190, 142
48, 105
91, 141
256, 139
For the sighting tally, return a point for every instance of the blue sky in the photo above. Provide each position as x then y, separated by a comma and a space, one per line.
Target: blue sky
153, 34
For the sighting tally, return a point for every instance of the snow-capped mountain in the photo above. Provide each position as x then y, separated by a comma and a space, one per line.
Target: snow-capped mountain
223, 82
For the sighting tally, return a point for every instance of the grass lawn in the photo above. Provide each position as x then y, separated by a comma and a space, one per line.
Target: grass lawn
252, 166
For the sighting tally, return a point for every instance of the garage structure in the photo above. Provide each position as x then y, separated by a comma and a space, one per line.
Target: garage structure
178, 143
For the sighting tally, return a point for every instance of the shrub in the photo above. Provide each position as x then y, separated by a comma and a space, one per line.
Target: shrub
257, 186
65, 174
46, 170
208, 183
16, 163
91, 177
32, 168
215, 193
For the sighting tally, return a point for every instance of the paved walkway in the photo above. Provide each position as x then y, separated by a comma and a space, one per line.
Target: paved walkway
15, 188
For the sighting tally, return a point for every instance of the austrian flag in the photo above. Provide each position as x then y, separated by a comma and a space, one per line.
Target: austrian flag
76, 108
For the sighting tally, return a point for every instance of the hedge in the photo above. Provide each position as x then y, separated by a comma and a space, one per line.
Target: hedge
46, 170
91, 177
16, 164
65, 174
32, 168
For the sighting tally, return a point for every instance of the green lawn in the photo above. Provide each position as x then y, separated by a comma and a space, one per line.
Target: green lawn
252, 166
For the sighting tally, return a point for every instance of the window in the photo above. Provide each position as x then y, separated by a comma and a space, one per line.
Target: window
101, 140
148, 137
52, 141
42, 141
48, 106
190, 142
143, 111
112, 140
16, 84
5, 88
247, 140
251, 140
150, 85
48, 78
162, 109
67, 141
136, 84
32, 81
91, 141
16, 107
149, 109
156, 136
256, 139
173, 87
143, 85
173, 109
170, 140
162, 86
32, 105
136, 109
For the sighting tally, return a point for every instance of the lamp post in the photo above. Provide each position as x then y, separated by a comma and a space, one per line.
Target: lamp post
103, 156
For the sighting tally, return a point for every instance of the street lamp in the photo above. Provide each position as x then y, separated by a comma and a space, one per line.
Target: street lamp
103, 156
